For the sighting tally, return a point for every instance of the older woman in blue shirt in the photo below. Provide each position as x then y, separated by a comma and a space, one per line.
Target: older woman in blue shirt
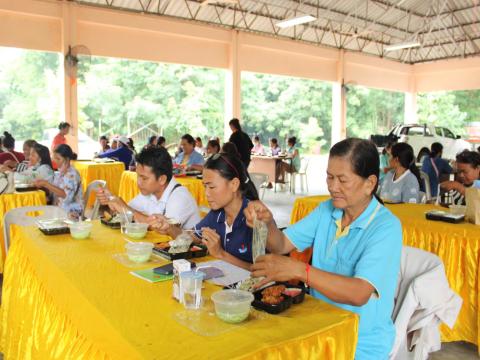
356, 247
189, 158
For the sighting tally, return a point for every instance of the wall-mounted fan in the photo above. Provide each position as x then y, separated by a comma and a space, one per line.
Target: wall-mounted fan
75, 55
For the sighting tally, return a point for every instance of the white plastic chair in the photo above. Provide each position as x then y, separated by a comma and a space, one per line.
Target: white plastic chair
258, 180
426, 181
93, 186
302, 172
20, 217
423, 300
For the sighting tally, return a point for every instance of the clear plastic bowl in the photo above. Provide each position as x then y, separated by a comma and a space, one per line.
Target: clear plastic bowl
136, 230
232, 306
80, 230
458, 209
139, 252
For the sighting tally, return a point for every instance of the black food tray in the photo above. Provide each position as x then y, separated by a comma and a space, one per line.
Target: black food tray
25, 189
115, 225
446, 218
269, 308
300, 297
185, 255
55, 231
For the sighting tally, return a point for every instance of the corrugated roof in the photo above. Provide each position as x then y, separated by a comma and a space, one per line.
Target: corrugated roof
445, 29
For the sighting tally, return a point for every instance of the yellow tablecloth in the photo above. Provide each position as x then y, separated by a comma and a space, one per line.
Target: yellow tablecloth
13, 201
458, 245
69, 299
129, 189
90, 171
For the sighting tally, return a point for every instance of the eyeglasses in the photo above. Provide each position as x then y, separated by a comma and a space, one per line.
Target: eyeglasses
220, 156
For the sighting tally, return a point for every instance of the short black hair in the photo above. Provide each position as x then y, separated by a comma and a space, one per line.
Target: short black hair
198, 138
161, 140
158, 159
215, 144
256, 138
65, 152
292, 140
469, 157
274, 140
8, 140
104, 137
435, 149
189, 138
63, 125
235, 123
363, 157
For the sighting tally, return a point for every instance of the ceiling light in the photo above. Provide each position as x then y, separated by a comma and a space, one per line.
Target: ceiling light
403, 45
302, 19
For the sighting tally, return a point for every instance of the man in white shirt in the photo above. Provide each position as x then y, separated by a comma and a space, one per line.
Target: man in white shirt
160, 194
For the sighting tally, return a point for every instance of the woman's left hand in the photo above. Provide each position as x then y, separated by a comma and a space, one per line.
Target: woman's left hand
211, 240
277, 268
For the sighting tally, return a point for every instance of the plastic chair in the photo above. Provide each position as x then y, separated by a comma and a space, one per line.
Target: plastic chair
93, 186
423, 300
259, 179
302, 172
426, 181
21, 217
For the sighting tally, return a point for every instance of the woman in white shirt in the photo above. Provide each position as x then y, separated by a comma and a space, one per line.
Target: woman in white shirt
402, 183
40, 165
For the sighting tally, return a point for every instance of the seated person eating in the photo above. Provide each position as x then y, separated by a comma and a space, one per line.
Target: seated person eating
160, 194
224, 230
40, 165
357, 244
188, 157
67, 184
468, 170
402, 183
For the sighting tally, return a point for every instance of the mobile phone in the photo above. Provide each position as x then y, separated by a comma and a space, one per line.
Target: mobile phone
168, 269
164, 270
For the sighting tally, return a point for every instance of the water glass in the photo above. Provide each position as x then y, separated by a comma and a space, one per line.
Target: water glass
191, 289
125, 218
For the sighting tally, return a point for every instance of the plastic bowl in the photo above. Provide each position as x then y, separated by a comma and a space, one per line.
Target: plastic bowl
136, 230
139, 252
458, 209
80, 230
232, 306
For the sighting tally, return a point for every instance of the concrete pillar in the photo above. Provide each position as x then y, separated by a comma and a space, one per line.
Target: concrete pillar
70, 108
339, 104
233, 88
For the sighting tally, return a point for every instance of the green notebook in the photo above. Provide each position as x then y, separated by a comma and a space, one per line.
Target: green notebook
150, 276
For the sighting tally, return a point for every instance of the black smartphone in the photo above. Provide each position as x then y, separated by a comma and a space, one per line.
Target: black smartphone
168, 268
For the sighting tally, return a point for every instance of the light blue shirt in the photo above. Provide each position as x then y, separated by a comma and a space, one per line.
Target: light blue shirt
194, 159
371, 251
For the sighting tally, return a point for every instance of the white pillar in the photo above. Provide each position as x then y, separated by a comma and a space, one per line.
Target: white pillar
410, 115
233, 88
339, 104
410, 108
69, 37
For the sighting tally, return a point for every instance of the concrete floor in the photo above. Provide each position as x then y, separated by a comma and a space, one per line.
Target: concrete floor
281, 204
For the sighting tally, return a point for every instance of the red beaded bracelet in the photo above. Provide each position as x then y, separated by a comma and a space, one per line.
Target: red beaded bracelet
307, 270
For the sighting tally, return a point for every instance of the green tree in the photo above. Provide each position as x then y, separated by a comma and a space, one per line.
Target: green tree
278, 106
372, 111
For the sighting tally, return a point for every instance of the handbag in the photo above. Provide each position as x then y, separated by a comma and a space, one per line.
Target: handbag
7, 183
472, 198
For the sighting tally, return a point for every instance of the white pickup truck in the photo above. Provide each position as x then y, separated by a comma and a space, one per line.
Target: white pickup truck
420, 136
